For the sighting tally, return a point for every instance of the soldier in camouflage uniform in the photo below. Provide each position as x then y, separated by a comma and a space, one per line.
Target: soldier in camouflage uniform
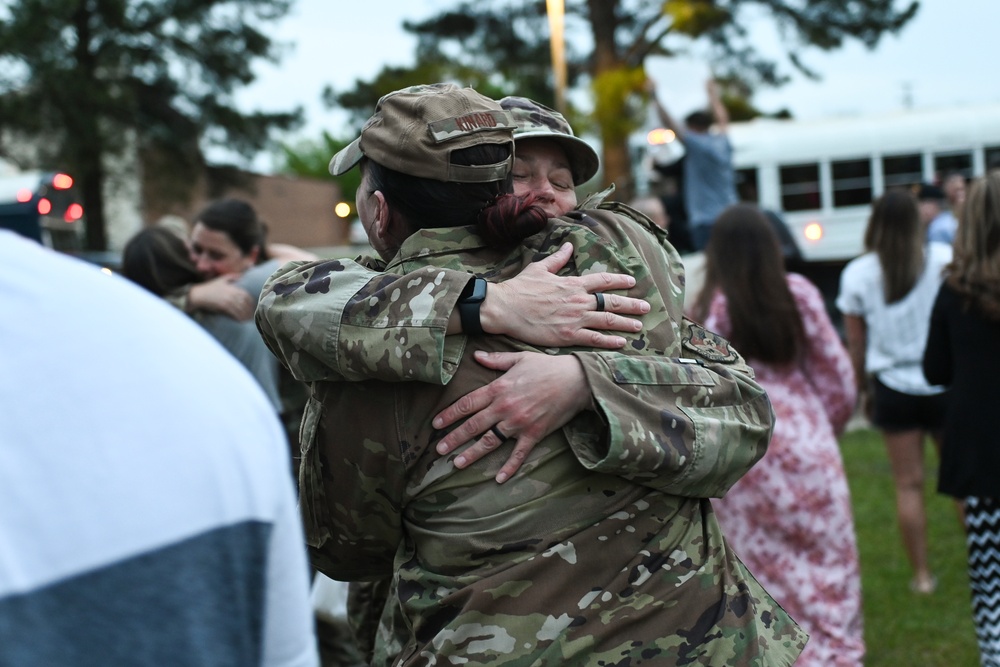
603, 550
549, 162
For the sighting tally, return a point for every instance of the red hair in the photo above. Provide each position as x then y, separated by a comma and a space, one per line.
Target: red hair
507, 220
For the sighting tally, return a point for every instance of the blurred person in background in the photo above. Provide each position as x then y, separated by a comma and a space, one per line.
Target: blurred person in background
229, 239
944, 225
145, 519
654, 209
886, 297
709, 179
789, 518
955, 190
229, 242
939, 223
158, 260
962, 354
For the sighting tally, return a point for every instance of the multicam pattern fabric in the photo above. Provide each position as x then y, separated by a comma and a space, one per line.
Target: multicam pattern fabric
451, 118
531, 116
620, 562
534, 120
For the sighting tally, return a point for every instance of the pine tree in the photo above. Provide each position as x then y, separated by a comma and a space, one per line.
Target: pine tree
501, 48
76, 76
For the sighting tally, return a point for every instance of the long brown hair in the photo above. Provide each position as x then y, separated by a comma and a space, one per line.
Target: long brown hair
896, 235
158, 259
743, 260
975, 268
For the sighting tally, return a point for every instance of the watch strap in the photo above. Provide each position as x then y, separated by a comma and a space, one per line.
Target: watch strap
469, 304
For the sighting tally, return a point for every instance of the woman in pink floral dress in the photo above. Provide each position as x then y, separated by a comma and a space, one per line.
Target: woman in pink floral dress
790, 517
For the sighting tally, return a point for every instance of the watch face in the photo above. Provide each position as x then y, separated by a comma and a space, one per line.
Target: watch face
479, 290
468, 306
474, 292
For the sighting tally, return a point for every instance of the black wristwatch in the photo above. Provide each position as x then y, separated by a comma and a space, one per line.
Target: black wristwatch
468, 306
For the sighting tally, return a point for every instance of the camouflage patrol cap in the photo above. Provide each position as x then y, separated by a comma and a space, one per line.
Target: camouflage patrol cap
415, 130
536, 120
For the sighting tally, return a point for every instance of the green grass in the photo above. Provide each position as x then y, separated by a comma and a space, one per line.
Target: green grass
903, 629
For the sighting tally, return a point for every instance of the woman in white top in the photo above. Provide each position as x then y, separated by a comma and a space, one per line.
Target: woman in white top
886, 297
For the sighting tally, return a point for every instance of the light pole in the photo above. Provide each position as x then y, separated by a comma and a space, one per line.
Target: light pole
556, 12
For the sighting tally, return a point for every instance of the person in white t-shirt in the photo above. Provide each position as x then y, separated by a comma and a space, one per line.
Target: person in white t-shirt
146, 519
886, 296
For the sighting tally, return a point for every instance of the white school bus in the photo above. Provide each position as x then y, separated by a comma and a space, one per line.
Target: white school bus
821, 176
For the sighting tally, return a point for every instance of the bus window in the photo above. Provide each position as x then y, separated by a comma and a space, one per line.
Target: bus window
946, 163
992, 157
902, 171
852, 183
746, 184
799, 187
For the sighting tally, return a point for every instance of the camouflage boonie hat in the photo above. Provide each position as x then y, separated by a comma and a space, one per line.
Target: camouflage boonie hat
415, 130
536, 120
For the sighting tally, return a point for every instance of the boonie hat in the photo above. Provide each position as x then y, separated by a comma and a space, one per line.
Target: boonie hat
537, 120
415, 130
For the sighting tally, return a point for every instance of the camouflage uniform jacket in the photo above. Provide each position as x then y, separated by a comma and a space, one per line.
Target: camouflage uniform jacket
613, 561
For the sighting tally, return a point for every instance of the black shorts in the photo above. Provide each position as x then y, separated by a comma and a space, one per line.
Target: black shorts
896, 411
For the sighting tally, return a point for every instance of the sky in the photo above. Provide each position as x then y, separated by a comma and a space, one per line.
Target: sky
947, 55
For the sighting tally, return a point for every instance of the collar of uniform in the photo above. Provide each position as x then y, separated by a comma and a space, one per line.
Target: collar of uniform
597, 198
437, 241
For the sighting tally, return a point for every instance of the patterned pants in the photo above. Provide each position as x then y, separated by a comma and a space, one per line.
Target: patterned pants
982, 521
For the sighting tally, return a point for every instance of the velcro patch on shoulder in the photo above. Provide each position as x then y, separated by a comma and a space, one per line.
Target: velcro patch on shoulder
709, 345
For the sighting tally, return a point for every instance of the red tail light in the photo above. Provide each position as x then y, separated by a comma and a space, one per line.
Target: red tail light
62, 181
73, 213
44, 206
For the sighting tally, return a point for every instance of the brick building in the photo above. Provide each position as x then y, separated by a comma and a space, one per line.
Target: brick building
297, 210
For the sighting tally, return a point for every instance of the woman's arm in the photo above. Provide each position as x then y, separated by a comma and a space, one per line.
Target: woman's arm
220, 295
661, 111
937, 362
540, 308
827, 364
341, 320
719, 111
857, 341
401, 324
687, 425
677, 410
